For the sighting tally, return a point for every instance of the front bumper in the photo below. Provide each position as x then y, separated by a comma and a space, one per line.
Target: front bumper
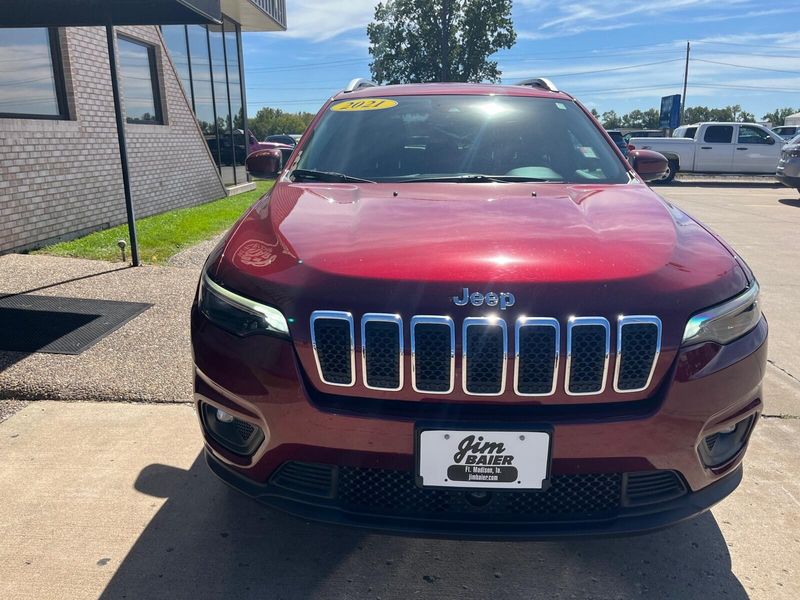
788, 172
478, 524
706, 388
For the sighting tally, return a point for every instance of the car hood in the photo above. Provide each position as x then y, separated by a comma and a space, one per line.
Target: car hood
483, 232
590, 246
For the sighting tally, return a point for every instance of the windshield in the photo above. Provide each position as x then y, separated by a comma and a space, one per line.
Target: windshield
408, 138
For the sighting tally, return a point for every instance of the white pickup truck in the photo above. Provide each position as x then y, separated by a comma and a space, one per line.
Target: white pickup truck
716, 148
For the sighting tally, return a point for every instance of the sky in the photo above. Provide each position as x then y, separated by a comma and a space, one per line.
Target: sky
610, 55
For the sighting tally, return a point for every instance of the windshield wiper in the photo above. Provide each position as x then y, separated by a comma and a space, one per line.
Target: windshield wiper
476, 178
327, 176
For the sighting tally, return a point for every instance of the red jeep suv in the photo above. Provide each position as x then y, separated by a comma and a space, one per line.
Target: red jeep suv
461, 312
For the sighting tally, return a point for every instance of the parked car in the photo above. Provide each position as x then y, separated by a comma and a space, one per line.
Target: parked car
787, 132
420, 329
619, 140
266, 159
644, 133
788, 171
717, 148
685, 131
281, 138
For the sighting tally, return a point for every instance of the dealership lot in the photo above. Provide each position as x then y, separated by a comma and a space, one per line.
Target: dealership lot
113, 500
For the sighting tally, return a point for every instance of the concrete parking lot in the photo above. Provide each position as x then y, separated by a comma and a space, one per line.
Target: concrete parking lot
112, 500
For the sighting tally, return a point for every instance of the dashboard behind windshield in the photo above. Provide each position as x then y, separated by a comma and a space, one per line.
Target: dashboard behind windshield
421, 137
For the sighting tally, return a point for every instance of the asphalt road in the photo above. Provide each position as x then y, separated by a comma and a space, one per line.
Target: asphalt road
110, 500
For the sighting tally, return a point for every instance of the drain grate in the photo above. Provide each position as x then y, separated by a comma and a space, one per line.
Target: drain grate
58, 325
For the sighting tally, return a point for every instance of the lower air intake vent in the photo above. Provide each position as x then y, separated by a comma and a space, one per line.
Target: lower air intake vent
382, 491
306, 478
649, 487
394, 493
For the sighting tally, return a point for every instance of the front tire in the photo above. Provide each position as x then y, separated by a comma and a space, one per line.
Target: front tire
672, 170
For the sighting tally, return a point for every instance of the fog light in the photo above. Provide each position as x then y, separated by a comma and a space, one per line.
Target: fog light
223, 416
720, 447
236, 435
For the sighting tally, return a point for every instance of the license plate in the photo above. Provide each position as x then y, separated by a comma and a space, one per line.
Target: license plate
483, 459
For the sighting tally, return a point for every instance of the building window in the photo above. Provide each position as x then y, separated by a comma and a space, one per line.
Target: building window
176, 41
137, 67
31, 75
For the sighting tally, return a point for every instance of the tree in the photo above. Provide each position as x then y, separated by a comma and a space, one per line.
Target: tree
611, 120
595, 114
269, 121
638, 119
652, 118
778, 116
697, 114
417, 41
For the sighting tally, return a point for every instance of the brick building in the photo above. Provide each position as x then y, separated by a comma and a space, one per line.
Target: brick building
183, 98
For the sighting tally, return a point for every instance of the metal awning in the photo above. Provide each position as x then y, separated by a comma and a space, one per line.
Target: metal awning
110, 13
84, 13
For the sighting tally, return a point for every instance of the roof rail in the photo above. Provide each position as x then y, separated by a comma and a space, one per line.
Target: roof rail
541, 83
359, 83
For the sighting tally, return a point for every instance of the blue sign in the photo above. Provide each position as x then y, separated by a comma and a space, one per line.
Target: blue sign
670, 116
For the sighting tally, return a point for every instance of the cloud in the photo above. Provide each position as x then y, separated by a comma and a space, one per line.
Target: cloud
316, 21
599, 15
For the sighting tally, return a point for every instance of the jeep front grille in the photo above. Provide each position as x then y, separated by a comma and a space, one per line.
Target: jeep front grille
485, 347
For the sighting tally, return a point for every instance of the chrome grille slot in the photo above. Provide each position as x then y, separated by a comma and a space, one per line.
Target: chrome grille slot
638, 347
433, 346
334, 348
536, 343
382, 351
588, 346
484, 342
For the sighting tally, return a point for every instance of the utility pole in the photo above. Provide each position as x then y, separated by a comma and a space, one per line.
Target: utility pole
685, 81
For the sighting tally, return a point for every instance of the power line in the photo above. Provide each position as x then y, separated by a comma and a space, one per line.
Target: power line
593, 72
742, 53
628, 89
623, 68
746, 87
749, 45
727, 64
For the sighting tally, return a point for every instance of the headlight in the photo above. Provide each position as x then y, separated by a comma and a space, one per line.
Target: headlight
237, 314
725, 322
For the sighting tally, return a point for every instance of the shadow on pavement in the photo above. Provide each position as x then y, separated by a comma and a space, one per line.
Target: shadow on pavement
790, 202
208, 541
65, 281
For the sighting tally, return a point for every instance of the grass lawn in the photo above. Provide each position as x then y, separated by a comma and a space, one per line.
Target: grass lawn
161, 236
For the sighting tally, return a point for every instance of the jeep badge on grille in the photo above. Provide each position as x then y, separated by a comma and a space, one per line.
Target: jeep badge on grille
502, 299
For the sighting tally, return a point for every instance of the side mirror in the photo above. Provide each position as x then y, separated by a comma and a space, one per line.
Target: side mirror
771, 141
648, 164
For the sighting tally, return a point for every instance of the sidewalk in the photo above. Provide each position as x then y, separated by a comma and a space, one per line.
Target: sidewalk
147, 359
